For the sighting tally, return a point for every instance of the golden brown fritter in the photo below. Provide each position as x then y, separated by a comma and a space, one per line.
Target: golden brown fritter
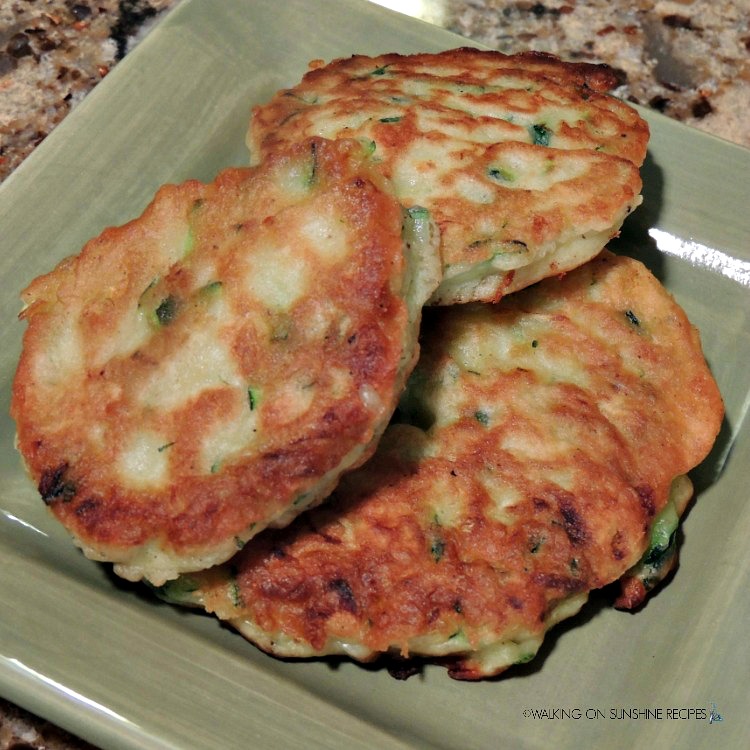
212, 367
547, 434
528, 166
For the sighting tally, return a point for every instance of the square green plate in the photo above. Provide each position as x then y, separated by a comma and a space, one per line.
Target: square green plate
124, 671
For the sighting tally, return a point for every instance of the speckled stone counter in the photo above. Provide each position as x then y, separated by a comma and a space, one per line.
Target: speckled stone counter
52, 53
689, 59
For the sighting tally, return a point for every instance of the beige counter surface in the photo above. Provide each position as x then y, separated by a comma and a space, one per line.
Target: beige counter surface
689, 59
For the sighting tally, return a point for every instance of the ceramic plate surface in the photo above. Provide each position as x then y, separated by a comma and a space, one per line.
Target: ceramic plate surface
108, 662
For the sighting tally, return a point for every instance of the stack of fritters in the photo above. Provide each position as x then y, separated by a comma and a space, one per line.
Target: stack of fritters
218, 365
544, 438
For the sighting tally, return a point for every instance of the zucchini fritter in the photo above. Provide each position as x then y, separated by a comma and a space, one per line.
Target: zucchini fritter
212, 367
546, 436
528, 166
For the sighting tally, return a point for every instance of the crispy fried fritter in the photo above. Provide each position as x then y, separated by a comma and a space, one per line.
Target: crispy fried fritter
547, 435
528, 166
212, 367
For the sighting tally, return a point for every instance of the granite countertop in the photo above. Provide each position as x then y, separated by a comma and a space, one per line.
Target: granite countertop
689, 59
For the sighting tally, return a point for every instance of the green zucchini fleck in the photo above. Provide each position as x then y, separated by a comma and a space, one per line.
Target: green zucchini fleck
632, 317
663, 534
181, 590
189, 242
535, 543
166, 311
500, 174
482, 417
234, 589
311, 174
391, 119
368, 145
540, 134
662, 550
418, 213
437, 549
210, 290
253, 397
234, 593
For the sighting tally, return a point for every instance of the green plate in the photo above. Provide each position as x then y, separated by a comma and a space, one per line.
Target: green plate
106, 661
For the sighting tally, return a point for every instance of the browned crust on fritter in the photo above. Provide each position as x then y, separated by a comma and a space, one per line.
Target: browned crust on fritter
413, 547
620, 126
93, 292
597, 77
446, 128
